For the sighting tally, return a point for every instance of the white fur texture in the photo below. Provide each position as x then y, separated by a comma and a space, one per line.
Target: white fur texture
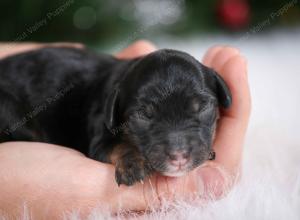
270, 185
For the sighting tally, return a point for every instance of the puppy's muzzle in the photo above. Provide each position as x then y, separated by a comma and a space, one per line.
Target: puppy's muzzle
179, 158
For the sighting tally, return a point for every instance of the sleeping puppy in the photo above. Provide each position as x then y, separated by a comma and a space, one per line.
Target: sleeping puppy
155, 113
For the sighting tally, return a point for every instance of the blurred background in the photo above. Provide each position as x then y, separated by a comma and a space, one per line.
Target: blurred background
115, 23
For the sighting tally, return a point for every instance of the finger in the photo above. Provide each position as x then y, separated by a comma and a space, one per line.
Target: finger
8, 49
210, 54
222, 56
139, 48
64, 44
234, 72
234, 121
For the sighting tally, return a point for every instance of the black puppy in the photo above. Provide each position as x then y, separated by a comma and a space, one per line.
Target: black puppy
154, 113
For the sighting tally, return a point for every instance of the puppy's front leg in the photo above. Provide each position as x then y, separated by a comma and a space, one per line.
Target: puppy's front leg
131, 166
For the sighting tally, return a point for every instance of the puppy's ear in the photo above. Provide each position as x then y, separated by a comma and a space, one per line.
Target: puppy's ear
221, 89
110, 109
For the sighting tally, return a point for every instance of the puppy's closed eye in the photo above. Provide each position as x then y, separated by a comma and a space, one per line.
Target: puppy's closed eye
207, 113
195, 105
199, 105
148, 111
143, 116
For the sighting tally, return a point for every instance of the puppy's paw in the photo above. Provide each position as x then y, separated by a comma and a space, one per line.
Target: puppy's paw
131, 170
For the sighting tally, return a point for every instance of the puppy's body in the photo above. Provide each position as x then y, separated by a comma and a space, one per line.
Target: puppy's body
154, 113
55, 91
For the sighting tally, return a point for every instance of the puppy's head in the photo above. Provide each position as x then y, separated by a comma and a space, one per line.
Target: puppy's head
167, 106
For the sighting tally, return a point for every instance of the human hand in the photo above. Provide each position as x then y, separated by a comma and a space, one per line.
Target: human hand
8, 49
58, 179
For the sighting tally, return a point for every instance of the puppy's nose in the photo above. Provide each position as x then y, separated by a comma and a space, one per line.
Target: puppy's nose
179, 158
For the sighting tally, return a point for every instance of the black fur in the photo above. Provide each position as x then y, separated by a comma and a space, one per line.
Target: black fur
155, 105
